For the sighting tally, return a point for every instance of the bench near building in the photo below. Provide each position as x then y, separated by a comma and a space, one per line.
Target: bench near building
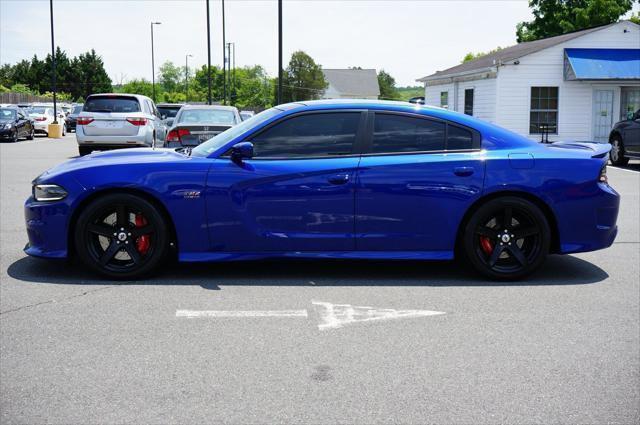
577, 85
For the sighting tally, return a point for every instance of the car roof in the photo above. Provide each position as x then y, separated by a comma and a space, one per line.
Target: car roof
218, 107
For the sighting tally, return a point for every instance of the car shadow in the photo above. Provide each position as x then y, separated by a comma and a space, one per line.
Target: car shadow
558, 270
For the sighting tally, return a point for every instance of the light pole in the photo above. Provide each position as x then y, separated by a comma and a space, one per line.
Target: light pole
279, 51
153, 65
53, 63
231, 74
224, 61
208, 57
186, 77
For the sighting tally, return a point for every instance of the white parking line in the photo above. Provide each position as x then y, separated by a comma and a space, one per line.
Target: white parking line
623, 169
240, 313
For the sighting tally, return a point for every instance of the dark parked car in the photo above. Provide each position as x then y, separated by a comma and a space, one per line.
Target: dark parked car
168, 112
195, 124
625, 140
72, 118
418, 100
14, 124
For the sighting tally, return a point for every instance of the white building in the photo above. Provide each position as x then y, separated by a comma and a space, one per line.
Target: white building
576, 85
351, 84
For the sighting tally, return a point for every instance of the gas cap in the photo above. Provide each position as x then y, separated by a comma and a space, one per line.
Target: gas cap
521, 161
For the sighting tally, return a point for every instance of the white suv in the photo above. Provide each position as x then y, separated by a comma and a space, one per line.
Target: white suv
118, 120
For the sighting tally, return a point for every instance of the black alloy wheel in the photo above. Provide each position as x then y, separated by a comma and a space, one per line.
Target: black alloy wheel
122, 236
507, 238
616, 154
31, 134
15, 138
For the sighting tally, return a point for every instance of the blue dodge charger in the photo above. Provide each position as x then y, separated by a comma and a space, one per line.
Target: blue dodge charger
331, 179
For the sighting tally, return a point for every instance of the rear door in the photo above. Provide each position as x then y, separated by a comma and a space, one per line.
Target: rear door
416, 180
110, 113
296, 194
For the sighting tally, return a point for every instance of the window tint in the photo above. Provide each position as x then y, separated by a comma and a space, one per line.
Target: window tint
209, 116
459, 138
398, 133
309, 135
111, 104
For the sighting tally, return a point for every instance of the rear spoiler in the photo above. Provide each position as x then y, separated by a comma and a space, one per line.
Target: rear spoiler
599, 150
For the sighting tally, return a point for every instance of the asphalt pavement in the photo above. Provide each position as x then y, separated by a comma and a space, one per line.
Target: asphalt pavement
315, 342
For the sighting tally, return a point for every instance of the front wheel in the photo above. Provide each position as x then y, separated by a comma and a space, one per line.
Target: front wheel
616, 154
507, 238
122, 236
31, 134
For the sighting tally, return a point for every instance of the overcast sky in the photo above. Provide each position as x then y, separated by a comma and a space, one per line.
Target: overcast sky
409, 39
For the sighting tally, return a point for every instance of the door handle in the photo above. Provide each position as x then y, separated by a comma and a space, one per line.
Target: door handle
463, 171
339, 179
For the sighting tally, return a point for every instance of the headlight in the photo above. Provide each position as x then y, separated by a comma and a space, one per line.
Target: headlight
48, 192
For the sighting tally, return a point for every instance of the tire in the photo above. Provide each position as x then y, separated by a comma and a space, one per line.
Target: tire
15, 138
84, 150
616, 155
511, 251
64, 130
31, 134
121, 236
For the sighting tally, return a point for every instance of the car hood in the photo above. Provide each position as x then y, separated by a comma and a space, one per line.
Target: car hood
128, 157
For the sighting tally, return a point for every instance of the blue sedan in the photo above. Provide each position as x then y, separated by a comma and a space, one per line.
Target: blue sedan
331, 179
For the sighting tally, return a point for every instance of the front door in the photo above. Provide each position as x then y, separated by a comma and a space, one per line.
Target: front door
415, 182
296, 194
602, 114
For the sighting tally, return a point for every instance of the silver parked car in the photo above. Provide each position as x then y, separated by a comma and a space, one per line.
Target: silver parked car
195, 124
118, 120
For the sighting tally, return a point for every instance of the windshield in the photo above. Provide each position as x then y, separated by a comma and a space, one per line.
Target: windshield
7, 114
210, 116
169, 111
111, 104
40, 110
216, 142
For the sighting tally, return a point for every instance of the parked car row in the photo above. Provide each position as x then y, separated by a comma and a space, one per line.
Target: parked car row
120, 120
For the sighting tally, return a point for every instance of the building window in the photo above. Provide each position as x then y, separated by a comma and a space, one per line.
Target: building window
444, 99
543, 117
468, 101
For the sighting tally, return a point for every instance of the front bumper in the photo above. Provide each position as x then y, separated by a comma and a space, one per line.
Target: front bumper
46, 224
41, 127
6, 134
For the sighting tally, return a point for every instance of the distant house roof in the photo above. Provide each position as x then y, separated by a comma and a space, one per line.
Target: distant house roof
511, 53
353, 82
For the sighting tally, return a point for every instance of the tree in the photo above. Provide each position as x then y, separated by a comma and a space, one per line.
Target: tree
170, 77
557, 17
387, 85
635, 18
138, 86
303, 79
94, 78
473, 56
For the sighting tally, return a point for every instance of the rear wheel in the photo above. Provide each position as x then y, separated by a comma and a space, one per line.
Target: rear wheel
31, 134
15, 138
616, 154
507, 238
122, 236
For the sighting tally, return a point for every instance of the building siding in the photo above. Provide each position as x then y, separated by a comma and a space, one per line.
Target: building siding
506, 101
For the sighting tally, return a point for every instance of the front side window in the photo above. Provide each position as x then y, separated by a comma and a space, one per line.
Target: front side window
310, 135
543, 116
399, 133
444, 99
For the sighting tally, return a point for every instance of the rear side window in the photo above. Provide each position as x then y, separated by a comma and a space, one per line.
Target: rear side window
459, 138
111, 104
399, 133
312, 135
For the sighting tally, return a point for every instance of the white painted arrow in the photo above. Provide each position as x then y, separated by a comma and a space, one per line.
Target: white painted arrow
331, 316
337, 315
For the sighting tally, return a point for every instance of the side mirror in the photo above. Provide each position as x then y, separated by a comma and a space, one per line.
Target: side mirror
242, 150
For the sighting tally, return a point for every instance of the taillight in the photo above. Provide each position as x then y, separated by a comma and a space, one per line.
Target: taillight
41, 118
137, 121
176, 134
603, 175
84, 120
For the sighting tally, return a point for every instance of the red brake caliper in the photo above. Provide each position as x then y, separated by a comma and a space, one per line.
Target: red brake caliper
486, 245
143, 242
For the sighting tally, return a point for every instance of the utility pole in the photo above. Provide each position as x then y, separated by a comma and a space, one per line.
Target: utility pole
224, 60
279, 51
186, 77
234, 73
153, 65
208, 57
53, 63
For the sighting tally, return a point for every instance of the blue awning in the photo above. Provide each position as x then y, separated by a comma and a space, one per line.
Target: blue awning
601, 64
